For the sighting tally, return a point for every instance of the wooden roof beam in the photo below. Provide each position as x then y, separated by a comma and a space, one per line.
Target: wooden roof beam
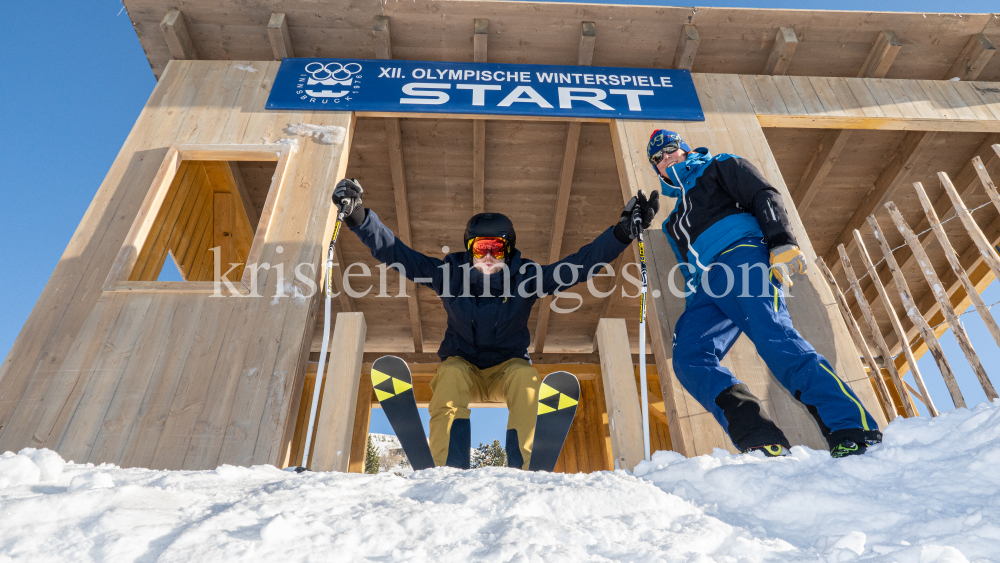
882, 190
281, 40
882, 55
480, 34
178, 39
978, 51
394, 143
687, 47
588, 34
781, 53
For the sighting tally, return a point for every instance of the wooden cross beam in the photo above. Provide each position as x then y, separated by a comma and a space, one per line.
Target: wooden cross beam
480, 33
978, 51
687, 47
585, 56
785, 43
175, 32
881, 57
281, 40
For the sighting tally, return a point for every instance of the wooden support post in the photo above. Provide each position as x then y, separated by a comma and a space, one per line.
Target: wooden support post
179, 42
852, 281
337, 279
937, 288
394, 141
896, 325
915, 317
687, 47
481, 28
785, 43
585, 55
891, 177
875, 373
978, 51
335, 421
281, 40
819, 167
362, 421
620, 394
881, 57
975, 233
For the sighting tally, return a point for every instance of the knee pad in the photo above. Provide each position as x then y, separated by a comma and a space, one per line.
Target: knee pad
460, 444
749, 425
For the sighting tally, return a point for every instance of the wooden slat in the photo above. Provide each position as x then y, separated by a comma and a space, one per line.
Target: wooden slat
894, 320
396, 166
942, 296
906, 296
383, 41
687, 47
897, 380
989, 253
624, 411
175, 32
480, 35
281, 40
782, 51
882, 55
481, 27
335, 422
978, 51
362, 422
585, 53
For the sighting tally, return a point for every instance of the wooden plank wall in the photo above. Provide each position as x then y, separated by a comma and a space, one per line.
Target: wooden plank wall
731, 126
175, 380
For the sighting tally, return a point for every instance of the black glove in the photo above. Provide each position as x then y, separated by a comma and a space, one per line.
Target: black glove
347, 197
637, 216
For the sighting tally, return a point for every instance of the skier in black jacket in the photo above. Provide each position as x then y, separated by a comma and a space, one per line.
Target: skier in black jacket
733, 240
487, 290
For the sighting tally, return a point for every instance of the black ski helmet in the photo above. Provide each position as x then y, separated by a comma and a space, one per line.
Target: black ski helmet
490, 225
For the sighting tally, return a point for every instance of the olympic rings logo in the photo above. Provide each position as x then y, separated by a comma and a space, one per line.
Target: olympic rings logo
336, 71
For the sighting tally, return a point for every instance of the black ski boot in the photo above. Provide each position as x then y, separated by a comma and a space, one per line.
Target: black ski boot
771, 450
852, 441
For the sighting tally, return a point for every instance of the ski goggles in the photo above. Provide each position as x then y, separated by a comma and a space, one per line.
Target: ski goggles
669, 148
481, 246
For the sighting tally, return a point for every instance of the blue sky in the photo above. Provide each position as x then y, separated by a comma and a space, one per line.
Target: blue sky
74, 81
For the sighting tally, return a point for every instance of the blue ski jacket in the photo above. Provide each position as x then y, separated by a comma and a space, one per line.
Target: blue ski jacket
486, 327
720, 199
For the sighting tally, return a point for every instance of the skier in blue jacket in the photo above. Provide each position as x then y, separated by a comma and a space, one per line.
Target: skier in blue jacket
735, 246
487, 290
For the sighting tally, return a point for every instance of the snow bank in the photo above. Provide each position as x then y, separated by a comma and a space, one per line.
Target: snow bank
928, 494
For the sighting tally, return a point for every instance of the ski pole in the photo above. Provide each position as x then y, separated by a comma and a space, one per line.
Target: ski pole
642, 346
326, 338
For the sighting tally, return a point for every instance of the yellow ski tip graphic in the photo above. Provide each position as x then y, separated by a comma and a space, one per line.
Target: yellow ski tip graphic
382, 395
399, 386
546, 391
566, 401
378, 377
543, 408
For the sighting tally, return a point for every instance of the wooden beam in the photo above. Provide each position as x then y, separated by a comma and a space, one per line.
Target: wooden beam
362, 422
394, 142
687, 47
937, 289
383, 44
335, 421
819, 167
178, 39
881, 57
620, 394
894, 320
891, 177
480, 28
989, 253
874, 373
588, 32
930, 340
281, 40
785, 43
978, 51
852, 281
800, 121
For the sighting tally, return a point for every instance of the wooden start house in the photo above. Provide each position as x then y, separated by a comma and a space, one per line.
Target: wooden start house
866, 122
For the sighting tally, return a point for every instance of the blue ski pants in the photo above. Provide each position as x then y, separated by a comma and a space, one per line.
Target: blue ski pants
755, 304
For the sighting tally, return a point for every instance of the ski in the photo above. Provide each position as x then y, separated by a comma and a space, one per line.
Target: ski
394, 391
558, 398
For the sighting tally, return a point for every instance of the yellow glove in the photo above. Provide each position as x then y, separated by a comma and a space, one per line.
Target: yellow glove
787, 259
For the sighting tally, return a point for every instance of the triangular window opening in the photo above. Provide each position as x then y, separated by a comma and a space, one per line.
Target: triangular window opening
169, 271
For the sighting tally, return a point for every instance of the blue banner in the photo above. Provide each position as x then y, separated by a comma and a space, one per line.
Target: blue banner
484, 88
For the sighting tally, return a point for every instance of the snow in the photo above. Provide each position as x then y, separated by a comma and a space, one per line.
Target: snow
247, 67
325, 134
927, 494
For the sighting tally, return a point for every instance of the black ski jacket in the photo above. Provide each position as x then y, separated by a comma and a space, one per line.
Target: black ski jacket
486, 328
719, 199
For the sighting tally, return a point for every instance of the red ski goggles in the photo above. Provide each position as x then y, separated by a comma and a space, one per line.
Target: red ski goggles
481, 246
